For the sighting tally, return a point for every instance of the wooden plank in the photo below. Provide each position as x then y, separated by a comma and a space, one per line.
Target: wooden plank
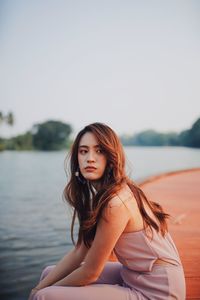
179, 194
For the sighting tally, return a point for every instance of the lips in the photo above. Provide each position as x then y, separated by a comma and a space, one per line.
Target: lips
90, 169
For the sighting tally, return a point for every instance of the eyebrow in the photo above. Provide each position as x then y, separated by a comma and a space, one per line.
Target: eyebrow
85, 146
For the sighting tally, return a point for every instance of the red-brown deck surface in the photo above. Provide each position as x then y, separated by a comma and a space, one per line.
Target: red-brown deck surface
179, 194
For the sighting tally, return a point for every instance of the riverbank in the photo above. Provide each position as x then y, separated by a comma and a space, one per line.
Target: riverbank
179, 193
30, 237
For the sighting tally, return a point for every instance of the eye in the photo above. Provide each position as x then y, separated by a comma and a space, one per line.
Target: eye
82, 151
99, 151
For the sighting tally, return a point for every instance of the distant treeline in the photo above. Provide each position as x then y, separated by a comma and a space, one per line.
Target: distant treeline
188, 138
50, 135
55, 135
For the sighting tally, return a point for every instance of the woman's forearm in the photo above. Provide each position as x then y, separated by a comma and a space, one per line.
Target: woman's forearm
65, 266
79, 277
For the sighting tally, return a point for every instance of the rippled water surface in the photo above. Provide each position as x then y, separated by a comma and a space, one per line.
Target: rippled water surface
34, 220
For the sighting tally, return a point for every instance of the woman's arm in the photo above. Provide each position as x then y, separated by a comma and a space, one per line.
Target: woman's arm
109, 229
65, 266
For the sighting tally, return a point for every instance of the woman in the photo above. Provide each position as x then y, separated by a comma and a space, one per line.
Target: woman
114, 216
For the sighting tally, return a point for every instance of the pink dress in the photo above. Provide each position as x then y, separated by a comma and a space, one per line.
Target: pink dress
135, 276
137, 253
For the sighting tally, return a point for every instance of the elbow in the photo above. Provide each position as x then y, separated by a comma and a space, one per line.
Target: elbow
88, 279
93, 278
90, 276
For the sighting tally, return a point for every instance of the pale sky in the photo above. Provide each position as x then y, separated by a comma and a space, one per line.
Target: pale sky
134, 65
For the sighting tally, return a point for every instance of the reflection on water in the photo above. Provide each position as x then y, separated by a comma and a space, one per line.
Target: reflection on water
34, 220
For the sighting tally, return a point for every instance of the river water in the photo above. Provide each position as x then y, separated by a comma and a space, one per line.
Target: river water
35, 221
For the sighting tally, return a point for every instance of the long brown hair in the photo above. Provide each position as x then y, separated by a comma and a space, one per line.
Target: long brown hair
88, 205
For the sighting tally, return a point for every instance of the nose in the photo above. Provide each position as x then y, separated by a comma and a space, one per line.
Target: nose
90, 157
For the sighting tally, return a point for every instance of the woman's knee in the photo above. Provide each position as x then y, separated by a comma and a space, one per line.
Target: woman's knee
51, 293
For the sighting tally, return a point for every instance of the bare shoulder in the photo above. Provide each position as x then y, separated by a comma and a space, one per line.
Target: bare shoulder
122, 196
115, 212
117, 207
115, 202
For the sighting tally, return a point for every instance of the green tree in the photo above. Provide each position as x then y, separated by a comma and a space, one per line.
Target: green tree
10, 119
195, 134
1, 117
171, 139
151, 138
20, 142
51, 135
191, 137
184, 138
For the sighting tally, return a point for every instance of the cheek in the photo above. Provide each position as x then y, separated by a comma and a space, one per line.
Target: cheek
104, 163
80, 160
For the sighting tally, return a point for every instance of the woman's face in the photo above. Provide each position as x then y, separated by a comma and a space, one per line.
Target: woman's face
92, 161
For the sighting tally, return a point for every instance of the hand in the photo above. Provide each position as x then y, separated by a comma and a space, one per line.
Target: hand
32, 293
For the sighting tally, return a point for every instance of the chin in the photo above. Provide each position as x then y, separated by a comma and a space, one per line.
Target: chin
92, 178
